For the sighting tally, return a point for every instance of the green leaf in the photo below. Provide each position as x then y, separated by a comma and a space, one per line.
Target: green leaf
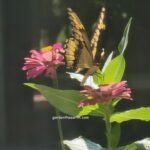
115, 70
115, 102
115, 134
143, 144
62, 35
142, 113
124, 41
86, 110
128, 147
67, 100
81, 143
93, 110
138, 145
108, 60
64, 100
98, 77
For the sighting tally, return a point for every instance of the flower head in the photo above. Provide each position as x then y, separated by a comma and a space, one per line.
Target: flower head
105, 93
46, 60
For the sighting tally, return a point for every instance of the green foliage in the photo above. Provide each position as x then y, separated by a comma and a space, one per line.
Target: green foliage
67, 100
115, 70
93, 110
124, 41
138, 145
98, 77
64, 100
115, 134
142, 113
128, 147
108, 60
81, 143
88, 109
115, 102
62, 35
143, 144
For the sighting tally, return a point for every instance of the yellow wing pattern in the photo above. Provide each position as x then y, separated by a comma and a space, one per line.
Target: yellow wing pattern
96, 35
78, 44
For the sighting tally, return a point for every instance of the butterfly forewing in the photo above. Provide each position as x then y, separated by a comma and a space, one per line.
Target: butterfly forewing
97, 32
84, 53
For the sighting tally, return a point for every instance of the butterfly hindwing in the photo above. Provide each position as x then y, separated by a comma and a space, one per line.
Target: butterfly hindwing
70, 48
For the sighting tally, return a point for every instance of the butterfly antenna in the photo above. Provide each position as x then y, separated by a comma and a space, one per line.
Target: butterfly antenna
102, 53
100, 26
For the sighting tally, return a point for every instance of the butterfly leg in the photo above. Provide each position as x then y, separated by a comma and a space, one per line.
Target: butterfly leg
78, 70
91, 71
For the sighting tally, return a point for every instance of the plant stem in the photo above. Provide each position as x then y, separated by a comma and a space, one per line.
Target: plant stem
108, 127
55, 85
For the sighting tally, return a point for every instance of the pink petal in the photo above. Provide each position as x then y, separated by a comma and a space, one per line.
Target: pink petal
47, 56
36, 55
58, 47
32, 73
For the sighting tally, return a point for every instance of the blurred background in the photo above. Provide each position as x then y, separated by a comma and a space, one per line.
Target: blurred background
25, 24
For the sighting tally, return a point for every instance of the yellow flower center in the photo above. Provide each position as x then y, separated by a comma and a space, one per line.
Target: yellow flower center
46, 49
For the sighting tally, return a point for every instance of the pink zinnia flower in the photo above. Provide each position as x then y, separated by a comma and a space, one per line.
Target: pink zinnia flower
46, 60
105, 93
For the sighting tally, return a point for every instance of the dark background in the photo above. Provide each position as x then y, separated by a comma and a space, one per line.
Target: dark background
26, 24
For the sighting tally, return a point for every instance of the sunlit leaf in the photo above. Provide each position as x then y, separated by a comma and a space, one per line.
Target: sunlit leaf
143, 144
81, 143
93, 110
128, 147
142, 113
64, 100
124, 41
108, 60
86, 110
115, 102
98, 77
138, 145
115, 70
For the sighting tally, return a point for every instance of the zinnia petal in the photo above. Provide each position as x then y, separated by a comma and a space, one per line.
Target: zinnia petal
48, 60
105, 93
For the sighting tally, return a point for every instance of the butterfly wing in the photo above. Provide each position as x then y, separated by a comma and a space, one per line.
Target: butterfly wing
94, 41
70, 48
81, 43
85, 59
96, 34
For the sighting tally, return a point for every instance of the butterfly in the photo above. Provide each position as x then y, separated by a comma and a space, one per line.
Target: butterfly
80, 51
